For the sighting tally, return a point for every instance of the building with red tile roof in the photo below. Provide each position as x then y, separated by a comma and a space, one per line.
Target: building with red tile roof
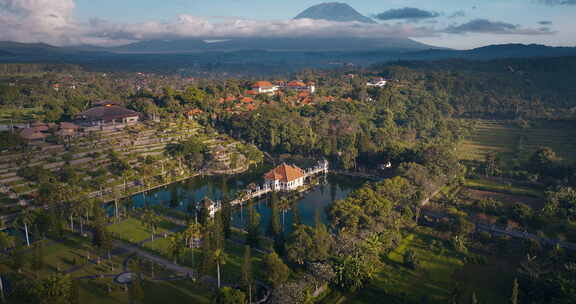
264, 87
298, 85
193, 113
285, 178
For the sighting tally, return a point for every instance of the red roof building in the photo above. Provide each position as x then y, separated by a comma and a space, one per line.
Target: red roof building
285, 178
264, 87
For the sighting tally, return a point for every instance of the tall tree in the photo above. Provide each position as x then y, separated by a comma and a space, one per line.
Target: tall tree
276, 271
300, 245
38, 260
206, 262
253, 237
26, 218
247, 275
220, 258
322, 240
515, 292
227, 218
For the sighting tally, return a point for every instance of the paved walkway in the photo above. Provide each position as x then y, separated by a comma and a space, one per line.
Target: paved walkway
159, 260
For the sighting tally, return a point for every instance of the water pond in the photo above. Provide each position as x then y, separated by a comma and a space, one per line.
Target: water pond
184, 196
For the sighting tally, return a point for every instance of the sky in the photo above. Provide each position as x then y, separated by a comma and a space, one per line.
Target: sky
459, 24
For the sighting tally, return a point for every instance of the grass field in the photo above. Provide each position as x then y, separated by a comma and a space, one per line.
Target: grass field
514, 142
440, 273
231, 271
133, 230
432, 281
490, 185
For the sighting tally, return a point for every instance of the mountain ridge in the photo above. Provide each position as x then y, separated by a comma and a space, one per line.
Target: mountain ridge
334, 11
494, 51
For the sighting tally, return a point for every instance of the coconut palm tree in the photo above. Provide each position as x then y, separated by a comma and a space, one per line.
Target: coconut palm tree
220, 258
26, 219
175, 246
194, 232
151, 220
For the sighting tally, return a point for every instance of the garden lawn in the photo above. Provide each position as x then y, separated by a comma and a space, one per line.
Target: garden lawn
134, 231
432, 281
490, 185
492, 282
58, 255
184, 291
231, 271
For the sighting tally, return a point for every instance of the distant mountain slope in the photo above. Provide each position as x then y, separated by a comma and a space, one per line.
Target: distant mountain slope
334, 11
4, 53
162, 46
43, 49
494, 52
28, 48
272, 44
319, 44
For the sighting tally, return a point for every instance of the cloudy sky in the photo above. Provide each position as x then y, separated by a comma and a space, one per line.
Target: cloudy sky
450, 23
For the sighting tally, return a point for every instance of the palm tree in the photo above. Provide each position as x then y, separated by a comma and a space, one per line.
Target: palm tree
193, 232
26, 219
73, 210
175, 247
284, 206
220, 259
151, 220
84, 208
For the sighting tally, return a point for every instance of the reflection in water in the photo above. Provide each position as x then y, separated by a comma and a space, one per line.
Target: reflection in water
185, 195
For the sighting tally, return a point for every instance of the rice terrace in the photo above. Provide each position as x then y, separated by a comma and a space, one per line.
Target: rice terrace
516, 141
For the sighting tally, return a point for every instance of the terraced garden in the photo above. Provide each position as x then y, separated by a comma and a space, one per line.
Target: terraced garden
90, 155
516, 143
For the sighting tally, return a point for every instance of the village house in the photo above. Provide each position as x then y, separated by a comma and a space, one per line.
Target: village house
32, 135
377, 82
107, 113
193, 113
301, 86
285, 178
264, 87
67, 130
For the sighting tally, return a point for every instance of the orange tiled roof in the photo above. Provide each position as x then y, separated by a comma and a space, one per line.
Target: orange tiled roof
251, 92
285, 173
247, 100
262, 84
296, 83
194, 112
303, 94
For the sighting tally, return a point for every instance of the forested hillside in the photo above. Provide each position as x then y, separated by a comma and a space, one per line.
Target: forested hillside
510, 89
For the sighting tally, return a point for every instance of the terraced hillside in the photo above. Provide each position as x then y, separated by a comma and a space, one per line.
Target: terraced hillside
514, 142
142, 147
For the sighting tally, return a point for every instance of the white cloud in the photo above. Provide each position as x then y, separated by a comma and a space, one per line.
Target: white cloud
187, 26
52, 21
36, 20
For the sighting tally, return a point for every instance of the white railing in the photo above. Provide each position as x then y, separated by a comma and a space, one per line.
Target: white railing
322, 167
